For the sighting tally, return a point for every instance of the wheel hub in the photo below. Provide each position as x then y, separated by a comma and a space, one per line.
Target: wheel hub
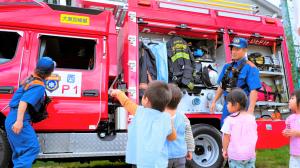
206, 150
199, 150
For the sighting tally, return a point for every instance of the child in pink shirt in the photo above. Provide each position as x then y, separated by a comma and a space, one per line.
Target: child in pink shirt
239, 132
292, 130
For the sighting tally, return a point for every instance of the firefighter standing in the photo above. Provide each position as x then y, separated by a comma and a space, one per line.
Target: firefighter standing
239, 73
20, 134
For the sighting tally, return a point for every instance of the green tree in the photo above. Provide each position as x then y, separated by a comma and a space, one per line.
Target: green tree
290, 41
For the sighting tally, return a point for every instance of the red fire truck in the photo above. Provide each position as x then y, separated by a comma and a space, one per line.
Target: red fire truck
96, 47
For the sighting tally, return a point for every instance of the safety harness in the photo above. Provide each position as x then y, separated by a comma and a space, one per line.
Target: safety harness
228, 83
40, 114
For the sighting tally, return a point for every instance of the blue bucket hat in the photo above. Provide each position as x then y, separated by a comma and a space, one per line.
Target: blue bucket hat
46, 65
239, 43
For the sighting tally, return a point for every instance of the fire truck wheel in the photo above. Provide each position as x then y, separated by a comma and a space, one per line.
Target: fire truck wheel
208, 150
5, 151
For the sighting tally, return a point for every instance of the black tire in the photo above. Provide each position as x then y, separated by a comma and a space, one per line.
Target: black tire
5, 151
208, 152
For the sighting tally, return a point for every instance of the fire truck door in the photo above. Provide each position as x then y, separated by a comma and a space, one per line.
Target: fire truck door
75, 85
14, 50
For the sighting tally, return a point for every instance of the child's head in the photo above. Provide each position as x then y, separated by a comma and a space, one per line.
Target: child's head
176, 96
157, 96
236, 100
45, 67
294, 101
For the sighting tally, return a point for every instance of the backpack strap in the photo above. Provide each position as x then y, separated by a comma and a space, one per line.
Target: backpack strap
235, 75
33, 80
225, 78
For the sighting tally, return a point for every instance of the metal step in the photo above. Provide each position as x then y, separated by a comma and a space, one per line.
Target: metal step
72, 145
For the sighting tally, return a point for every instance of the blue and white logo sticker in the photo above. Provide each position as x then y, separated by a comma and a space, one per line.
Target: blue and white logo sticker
52, 82
236, 40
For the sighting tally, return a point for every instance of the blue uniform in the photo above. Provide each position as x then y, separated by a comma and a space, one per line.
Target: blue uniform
25, 145
249, 76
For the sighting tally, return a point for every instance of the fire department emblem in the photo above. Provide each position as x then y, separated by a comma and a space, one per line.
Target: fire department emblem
52, 82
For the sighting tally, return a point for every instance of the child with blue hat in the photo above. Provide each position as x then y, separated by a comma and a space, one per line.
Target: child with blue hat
20, 134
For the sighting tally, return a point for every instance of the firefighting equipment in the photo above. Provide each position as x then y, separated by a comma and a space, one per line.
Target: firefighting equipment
276, 115
265, 93
209, 76
198, 53
180, 62
257, 59
147, 66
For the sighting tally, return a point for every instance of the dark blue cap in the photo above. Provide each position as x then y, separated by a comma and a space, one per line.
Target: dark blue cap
46, 65
239, 43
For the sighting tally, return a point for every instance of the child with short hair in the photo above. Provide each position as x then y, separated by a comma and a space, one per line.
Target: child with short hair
239, 132
150, 128
182, 148
292, 129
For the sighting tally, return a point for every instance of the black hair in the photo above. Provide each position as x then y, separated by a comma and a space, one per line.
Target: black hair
176, 96
237, 95
42, 74
158, 94
296, 93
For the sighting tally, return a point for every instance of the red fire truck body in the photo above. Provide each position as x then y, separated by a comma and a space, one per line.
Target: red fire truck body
94, 51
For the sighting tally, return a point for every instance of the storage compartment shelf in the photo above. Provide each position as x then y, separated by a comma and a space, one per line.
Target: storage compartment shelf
270, 74
269, 103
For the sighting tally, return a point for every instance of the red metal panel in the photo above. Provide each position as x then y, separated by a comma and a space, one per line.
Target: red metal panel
14, 71
227, 41
130, 56
215, 116
288, 65
35, 16
77, 113
270, 135
164, 15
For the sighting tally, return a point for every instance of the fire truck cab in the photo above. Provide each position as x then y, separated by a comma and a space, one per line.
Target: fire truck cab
96, 47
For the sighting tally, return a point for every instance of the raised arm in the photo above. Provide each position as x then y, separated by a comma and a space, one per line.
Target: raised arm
129, 105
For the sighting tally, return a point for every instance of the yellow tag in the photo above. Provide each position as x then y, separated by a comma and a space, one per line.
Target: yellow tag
73, 19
